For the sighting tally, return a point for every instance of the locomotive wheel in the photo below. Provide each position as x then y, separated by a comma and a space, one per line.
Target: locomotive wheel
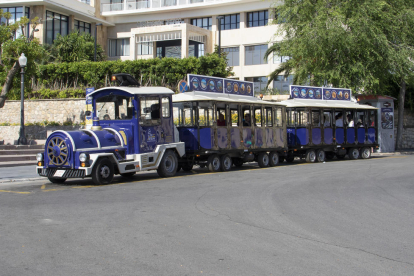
310, 156
238, 162
329, 155
103, 172
57, 180
128, 175
168, 165
320, 155
226, 163
187, 166
273, 158
365, 153
263, 159
213, 163
353, 153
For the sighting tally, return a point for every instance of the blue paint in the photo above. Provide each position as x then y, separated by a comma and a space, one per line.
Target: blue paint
328, 136
316, 136
361, 135
189, 137
291, 137
339, 135
247, 137
371, 135
350, 135
222, 137
235, 138
258, 138
206, 140
302, 136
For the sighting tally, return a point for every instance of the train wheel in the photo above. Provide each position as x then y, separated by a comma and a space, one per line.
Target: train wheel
263, 159
365, 153
187, 166
57, 180
128, 175
329, 155
238, 162
226, 163
310, 156
103, 172
320, 155
353, 153
168, 165
273, 158
213, 163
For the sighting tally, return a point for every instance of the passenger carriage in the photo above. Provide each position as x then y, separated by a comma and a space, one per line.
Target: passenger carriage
326, 122
213, 124
132, 131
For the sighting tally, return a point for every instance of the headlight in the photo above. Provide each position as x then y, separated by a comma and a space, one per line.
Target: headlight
83, 157
39, 157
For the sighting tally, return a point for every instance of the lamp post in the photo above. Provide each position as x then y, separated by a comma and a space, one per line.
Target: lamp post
219, 18
22, 138
96, 33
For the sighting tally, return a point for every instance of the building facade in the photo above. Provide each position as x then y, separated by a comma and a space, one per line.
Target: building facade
144, 29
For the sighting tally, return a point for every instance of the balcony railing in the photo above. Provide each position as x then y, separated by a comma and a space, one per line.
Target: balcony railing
85, 1
128, 5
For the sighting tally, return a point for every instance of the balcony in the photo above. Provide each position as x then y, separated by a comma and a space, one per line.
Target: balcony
134, 5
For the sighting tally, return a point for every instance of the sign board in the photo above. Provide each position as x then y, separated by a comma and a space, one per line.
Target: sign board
183, 86
320, 93
220, 85
387, 118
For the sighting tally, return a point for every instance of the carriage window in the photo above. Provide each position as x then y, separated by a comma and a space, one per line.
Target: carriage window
361, 122
303, 118
184, 114
234, 113
278, 116
114, 107
247, 120
371, 118
327, 119
291, 118
150, 110
205, 116
316, 120
269, 120
339, 119
350, 119
258, 117
166, 107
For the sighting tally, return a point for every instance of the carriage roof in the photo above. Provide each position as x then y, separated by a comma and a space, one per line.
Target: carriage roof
208, 96
325, 104
146, 90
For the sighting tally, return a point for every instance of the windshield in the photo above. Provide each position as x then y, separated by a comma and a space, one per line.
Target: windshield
114, 107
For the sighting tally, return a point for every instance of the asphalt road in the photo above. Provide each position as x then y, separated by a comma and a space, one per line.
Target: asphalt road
336, 218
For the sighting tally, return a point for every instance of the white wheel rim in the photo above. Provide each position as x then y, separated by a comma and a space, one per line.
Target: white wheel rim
227, 163
105, 171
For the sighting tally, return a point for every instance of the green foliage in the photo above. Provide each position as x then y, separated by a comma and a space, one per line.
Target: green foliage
75, 47
353, 43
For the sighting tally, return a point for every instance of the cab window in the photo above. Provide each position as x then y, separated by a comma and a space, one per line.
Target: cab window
150, 110
114, 107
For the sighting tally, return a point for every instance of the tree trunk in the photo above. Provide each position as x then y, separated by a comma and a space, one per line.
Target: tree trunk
401, 97
8, 83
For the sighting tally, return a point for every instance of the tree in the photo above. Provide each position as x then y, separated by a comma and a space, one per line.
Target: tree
11, 50
75, 47
358, 44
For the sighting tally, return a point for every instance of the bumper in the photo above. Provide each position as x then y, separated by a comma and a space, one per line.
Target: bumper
61, 173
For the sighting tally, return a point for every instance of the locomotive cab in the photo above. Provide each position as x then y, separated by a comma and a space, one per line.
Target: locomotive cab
132, 131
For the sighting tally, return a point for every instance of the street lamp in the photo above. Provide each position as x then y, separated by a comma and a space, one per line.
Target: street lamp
96, 32
22, 138
219, 18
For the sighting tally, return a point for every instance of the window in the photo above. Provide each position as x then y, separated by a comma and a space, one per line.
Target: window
82, 27
221, 117
56, 24
166, 107
205, 115
303, 118
255, 54
316, 118
159, 52
360, 119
167, 3
234, 114
233, 56
269, 121
278, 116
145, 48
150, 110
291, 118
281, 84
230, 22
205, 22
201, 50
184, 114
327, 119
258, 116
16, 14
119, 47
257, 19
259, 83
246, 116
114, 107
372, 118
280, 59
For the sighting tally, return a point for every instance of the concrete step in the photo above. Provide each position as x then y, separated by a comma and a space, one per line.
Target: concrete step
20, 152
12, 158
21, 147
17, 163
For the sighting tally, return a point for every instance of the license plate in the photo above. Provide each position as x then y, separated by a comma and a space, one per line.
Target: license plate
59, 173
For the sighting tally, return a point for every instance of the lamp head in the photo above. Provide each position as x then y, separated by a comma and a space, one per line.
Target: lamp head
22, 60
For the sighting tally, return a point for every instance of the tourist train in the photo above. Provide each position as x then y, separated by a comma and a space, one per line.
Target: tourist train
216, 123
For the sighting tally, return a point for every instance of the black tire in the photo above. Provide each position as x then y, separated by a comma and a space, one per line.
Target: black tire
103, 172
187, 166
320, 155
353, 153
290, 158
263, 159
168, 165
282, 159
365, 153
213, 163
329, 155
226, 163
57, 180
310, 156
128, 175
273, 158
178, 167
238, 162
